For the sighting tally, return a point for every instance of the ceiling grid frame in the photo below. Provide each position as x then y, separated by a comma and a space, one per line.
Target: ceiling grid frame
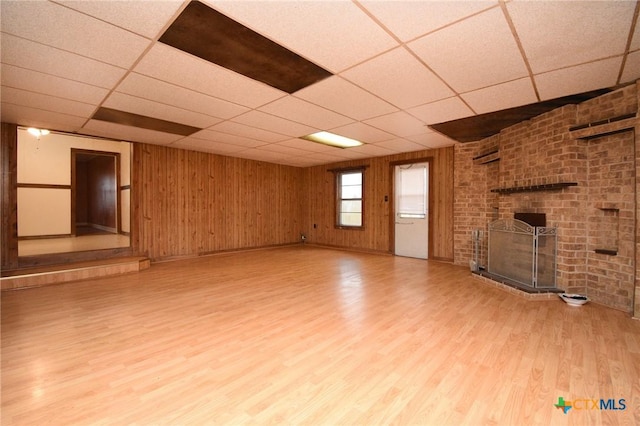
64, 100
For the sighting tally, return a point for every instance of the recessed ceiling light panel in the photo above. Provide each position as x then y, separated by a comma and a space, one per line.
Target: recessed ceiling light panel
332, 139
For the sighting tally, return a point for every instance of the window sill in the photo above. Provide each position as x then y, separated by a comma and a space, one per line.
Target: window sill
350, 228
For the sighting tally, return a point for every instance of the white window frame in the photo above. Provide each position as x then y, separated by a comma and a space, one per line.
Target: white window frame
339, 199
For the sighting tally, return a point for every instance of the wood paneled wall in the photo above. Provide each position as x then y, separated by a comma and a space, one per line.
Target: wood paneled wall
376, 235
9, 231
188, 203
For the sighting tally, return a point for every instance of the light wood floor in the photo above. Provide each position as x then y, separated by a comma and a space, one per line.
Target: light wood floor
304, 335
69, 244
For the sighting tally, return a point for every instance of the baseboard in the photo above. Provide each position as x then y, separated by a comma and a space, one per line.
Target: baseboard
43, 237
353, 249
221, 252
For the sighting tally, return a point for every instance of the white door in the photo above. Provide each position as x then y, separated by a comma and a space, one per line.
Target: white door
411, 210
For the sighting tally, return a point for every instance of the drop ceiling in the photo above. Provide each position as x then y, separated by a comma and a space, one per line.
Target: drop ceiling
395, 71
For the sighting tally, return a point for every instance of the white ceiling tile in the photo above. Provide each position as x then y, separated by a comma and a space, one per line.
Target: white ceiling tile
334, 156
399, 123
441, 111
563, 33
169, 64
248, 132
306, 113
303, 161
34, 81
196, 144
55, 25
298, 162
399, 78
468, 61
400, 145
146, 18
442, 142
261, 155
272, 123
350, 154
241, 141
284, 149
347, 155
373, 150
33, 117
631, 70
501, 96
421, 138
128, 103
128, 133
169, 94
578, 79
46, 102
409, 19
362, 132
635, 41
49, 60
432, 140
345, 98
333, 34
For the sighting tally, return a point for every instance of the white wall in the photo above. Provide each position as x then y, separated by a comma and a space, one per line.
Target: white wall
44, 211
47, 161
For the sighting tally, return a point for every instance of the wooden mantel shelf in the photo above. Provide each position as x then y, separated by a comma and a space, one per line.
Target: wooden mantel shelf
534, 188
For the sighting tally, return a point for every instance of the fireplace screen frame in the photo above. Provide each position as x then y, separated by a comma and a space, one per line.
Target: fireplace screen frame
534, 248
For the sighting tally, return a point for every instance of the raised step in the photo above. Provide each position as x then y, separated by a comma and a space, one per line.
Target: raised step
41, 276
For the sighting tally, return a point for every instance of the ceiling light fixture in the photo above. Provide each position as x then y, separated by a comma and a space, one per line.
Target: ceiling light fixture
37, 132
332, 139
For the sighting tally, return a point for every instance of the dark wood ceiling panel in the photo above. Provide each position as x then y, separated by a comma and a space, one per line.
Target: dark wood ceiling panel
482, 126
144, 122
210, 35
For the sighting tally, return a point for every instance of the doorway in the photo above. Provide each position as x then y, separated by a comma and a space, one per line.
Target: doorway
95, 195
411, 210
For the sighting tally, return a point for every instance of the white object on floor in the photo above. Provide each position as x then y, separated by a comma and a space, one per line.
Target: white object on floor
574, 299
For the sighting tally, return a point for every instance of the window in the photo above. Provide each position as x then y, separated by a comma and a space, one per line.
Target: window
349, 198
412, 192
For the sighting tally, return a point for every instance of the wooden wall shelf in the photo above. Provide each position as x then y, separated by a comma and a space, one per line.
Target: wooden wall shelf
607, 252
606, 127
534, 188
487, 158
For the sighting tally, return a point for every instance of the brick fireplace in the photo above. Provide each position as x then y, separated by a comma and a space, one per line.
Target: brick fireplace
577, 165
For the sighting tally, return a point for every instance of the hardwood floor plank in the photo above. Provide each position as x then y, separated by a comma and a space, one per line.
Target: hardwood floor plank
305, 335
